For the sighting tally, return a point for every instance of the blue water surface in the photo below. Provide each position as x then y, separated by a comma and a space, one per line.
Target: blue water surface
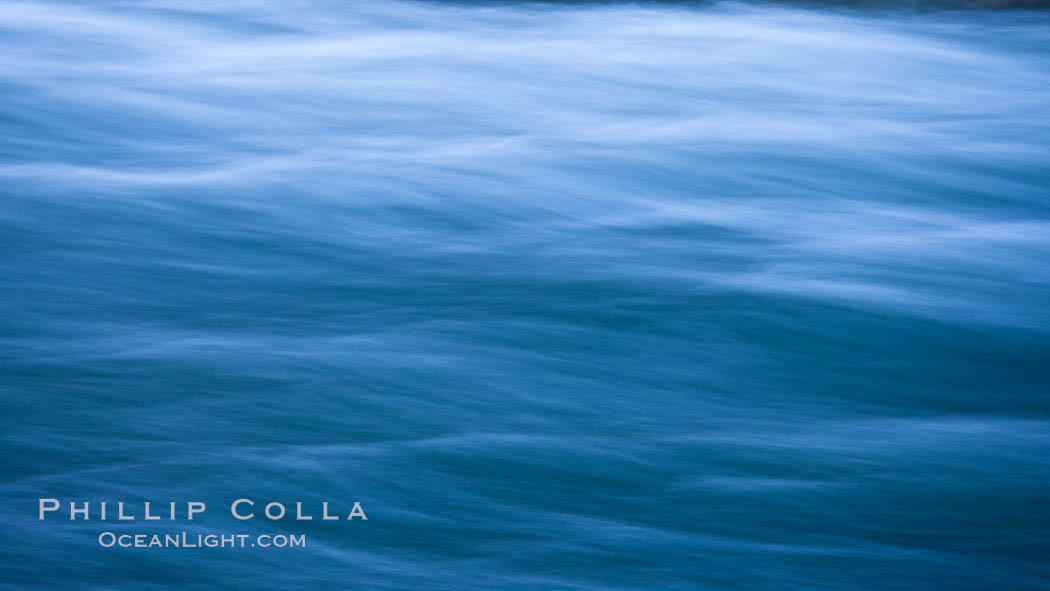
577, 297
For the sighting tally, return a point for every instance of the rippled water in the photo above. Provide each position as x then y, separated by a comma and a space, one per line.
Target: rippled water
568, 297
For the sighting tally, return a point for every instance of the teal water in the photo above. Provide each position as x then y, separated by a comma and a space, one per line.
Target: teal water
585, 297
